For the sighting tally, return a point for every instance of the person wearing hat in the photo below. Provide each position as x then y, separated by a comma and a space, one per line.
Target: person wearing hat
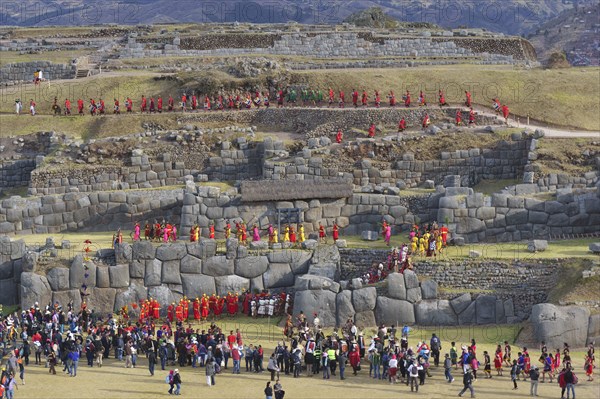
176, 381
534, 376
467, 383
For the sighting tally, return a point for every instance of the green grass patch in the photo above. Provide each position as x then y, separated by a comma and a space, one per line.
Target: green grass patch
489, 187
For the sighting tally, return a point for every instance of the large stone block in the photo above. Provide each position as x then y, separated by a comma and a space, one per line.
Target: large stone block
153, 273
170, 272
191, 264
516, 216
137, 268
123, 253
345, 310
164, 294
310, 282
65, 297
364, 299
171, 251
365, 319
429, 289
82, 272
299, 261
232, 284
278, 275
486, 309
394, 311
469, 315
435, 313
133, 294
537, 245
396, 286
102, 300
119, 276
218, 266
251, 266
58, 278
460, 303
558, 324
194, 285
34, 288
102, 277
410, 279
413, 295
322, 302
500, 316
143, 250
9, 292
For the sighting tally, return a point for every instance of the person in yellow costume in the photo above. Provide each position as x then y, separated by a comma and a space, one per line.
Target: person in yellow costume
275, 236
439, 243
301, 237
426, 237
414, 242
422, 246
196, 233
286, 234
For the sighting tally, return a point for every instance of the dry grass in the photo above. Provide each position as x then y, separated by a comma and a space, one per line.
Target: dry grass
114, 381
566, 155
488, 187
536, 92
56, 56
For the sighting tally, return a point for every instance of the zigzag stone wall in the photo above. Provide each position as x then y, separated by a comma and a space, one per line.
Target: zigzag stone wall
141, 174
97, 210
329, 45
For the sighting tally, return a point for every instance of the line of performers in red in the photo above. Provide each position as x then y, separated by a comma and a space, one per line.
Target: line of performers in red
259, 98
206, 306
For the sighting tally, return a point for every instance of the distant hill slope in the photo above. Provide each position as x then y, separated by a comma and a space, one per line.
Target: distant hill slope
575, 32
514, 17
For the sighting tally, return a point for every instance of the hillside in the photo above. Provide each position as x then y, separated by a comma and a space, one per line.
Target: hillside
513, 17
574, 32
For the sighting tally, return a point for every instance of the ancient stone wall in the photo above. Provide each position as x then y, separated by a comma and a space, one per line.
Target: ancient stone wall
23, 71
241, 163
338, 45
91, 211
142, 173
16, 173
526, 282
505, 217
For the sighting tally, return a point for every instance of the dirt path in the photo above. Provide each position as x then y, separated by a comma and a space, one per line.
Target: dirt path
551, 132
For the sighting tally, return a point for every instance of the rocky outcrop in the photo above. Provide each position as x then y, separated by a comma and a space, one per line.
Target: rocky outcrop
558, 324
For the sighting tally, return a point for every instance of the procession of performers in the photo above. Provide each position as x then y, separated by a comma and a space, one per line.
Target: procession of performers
213, 306
156, 231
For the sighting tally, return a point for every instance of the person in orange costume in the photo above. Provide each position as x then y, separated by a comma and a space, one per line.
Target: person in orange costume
196, 308
156, 310
204, 307
179, 312
170, 310
231, 302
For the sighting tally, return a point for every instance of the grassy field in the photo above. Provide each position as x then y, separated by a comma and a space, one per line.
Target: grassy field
114, 381
577, 248
56, 56
539, 93
525, 91
514, 250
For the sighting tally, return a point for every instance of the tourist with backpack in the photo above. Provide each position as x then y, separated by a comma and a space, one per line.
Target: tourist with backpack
570, 381
435, 346
210, 371
448, 368
467, 383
